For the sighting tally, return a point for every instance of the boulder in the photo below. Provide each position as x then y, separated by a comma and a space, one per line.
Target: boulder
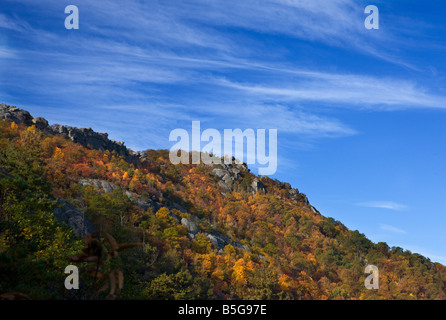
40, 123
235, 172
131, 195
191, 236
228, 179
229, 173
190, 226
219, 241
218, 172
15, 114
224, 185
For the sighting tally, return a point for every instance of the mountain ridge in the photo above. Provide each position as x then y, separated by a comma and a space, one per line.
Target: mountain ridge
208, 232
87, 137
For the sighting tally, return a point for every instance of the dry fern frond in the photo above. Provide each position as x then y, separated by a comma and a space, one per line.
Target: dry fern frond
14, 296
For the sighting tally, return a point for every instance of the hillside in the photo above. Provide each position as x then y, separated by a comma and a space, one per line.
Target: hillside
190, 231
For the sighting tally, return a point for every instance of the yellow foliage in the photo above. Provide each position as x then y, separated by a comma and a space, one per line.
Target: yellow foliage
31, 129
284, 282
218, 275
163, 214
239, 272
58, 154
207, 263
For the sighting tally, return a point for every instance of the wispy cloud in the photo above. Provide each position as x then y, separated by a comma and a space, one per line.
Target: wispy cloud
383, 205
179, 60
196, 25
139, 43
346, 90
6, 53
392, 229
338, 22
14, 24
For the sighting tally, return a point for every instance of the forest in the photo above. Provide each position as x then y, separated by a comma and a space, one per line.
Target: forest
164, 231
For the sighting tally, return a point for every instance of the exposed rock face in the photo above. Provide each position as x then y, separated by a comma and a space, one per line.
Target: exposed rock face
15, 114
229, 173
85, 137
175, 205
224, 185
257, 186
220, 241
218, 172
108, 187
100, 184
294, 193
40, 123
89, 138
143, 204
74, 218
217, 239
304, 198
190, 226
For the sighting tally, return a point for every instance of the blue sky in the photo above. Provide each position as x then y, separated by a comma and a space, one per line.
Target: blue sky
360, 113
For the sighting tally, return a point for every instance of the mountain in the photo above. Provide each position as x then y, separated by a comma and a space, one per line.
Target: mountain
139, 227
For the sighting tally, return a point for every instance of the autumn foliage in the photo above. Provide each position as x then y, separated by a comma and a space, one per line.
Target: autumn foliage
289, 251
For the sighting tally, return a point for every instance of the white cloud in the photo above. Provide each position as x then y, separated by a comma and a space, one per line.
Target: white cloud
346, 90
383, 205
336, 21
13, 24
128, 55
6, 53
199, 24
393, 229
139, 42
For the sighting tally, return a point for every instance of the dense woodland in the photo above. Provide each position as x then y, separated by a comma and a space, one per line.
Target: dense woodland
289, 251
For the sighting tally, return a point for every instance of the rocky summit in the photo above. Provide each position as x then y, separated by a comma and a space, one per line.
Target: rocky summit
84, 136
